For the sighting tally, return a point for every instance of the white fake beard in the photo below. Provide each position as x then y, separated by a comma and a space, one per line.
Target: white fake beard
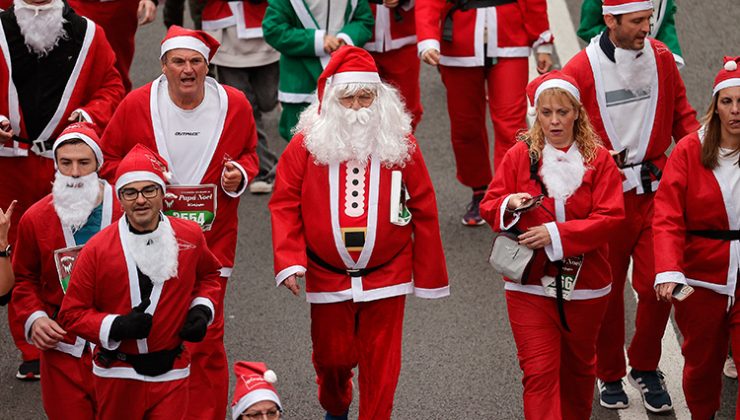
155, 253
636, 69
562, 173
75, 198
41, 26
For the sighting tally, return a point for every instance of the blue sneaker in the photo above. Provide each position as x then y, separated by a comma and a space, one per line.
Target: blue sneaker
651, 384
331, 417
612, 395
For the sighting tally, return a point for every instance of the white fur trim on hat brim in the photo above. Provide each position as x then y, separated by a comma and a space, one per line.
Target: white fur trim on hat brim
138, 176
726, 84
85, 138
557, 83
355, 77
187, 42
252, 398
627, 8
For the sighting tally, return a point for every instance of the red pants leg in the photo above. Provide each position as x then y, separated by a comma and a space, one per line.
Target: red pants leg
401, 69
67, 386
125, 399
466, 106
209, 370
735, 342
507, 82
703, 321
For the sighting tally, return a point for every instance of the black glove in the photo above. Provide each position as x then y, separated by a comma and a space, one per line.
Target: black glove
134, 325
196, 324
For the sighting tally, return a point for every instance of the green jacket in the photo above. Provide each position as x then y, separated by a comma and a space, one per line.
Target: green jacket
290, 28
592, 24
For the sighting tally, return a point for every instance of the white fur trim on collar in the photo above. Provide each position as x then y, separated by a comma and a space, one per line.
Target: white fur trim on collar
356, 77
557, 83
627, 8
188, 42
79, 136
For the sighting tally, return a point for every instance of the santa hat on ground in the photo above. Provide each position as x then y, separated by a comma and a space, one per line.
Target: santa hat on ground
179, 37
621, 7
553, 79
729, 76
253, 384
142, 164
80, 131
348, 65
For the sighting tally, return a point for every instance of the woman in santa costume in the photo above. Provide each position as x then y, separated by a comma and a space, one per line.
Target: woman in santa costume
354, 211
697, 242
255, 397
139, 289
555, 316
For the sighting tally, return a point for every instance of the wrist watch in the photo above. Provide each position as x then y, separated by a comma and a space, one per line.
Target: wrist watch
7, 251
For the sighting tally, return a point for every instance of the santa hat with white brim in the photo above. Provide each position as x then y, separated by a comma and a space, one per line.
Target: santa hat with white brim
200, 41
254, 383
142, 164
80, 131
347, 65
729, 76
621, 7
550, 80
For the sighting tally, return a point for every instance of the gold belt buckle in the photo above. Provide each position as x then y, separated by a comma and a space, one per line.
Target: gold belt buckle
354, 238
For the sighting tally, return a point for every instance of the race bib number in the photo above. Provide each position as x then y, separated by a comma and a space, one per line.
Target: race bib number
65, 261
196, 203
569, 276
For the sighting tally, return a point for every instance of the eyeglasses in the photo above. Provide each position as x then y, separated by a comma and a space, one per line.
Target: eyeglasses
273, 414
364, 99
131, 194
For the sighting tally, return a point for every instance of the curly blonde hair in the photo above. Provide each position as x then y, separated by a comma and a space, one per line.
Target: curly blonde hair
583, 133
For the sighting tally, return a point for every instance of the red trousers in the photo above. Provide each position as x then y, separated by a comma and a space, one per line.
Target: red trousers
127, 399
706, 326
67, 386
119, 21
209, 370
348, 334
28, 180
401, 69
468, 88
559, 366
635, 239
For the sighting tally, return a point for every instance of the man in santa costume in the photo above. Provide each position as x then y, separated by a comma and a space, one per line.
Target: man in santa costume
50, 236
354, 212
481, 47
306, 33
57, 68
636, 100
255, 396
140, 288
206, 133
393, 47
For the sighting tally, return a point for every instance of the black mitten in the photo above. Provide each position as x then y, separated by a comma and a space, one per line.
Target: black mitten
196, 324
135, 325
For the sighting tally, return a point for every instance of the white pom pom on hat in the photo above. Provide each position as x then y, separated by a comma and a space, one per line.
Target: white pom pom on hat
270, 376
731, 65
728, 76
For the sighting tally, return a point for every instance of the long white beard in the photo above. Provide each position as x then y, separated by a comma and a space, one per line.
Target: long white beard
75, 198
155, 253
636, 69
562, 173
41, 26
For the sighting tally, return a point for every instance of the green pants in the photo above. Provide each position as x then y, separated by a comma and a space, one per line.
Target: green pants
289, 118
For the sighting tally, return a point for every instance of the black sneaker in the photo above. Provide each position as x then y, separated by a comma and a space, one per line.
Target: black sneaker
328, 416
472, 214
29, 371
612, 395
652, 386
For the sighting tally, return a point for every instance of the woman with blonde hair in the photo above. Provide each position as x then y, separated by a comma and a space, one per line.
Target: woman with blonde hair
559, 191
696, 229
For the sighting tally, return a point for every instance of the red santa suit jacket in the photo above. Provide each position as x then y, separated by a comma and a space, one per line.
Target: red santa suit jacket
105, 284
306, 206
391, 34
245, 15
236, 138
513, 30
670, 113
37, 292
692, 197
585, 221
94, 88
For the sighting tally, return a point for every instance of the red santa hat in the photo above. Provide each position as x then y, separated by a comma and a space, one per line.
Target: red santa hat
348, 65
621, 7
179, 37
553, 79
253, 384
80, 131
729, 76
142, 164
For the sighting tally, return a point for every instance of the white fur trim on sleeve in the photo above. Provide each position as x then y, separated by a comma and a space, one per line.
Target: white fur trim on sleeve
544, 38
543, 49
670, 277
206, 302
427, 44
318, 42
432, 293
287, 272
345, 38
502, 210
105, 326
245, 181
554, 250
29, 323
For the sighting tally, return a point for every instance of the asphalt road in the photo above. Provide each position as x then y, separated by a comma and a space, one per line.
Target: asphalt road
459, 358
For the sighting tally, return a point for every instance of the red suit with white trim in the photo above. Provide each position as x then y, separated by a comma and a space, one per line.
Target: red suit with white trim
106, 284
670, 115
506, 34
559, 367
245, 15
692, 197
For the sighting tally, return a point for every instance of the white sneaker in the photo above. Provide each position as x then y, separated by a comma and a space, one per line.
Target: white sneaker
730, 370
260, 187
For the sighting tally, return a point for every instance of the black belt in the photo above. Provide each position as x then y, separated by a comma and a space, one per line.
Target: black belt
149, 364
647, 169
465, 5
352, 272
37, 146
722, 235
